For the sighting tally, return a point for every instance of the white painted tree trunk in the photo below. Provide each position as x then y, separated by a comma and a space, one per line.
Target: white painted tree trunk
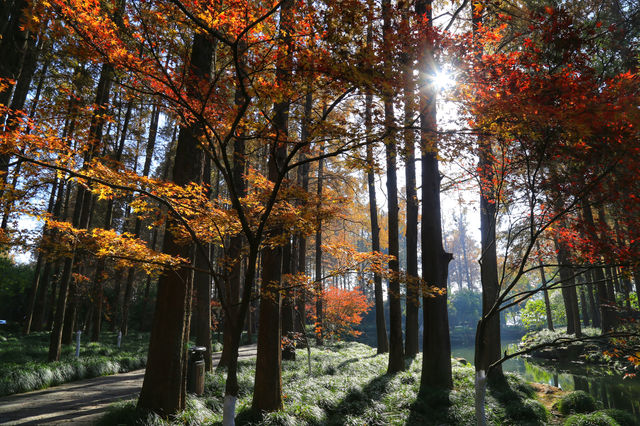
481, 389
229, 411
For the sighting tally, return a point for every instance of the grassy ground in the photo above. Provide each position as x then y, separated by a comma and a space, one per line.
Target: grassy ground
347, 386
24, 366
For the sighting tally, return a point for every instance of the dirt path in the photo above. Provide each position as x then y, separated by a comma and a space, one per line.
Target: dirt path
81, 402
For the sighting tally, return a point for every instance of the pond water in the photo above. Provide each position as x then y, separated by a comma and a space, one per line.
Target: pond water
605, 386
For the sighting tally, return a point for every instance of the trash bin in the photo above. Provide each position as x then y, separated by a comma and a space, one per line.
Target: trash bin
195, 372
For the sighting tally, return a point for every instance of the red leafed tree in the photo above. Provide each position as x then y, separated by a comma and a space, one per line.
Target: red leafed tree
558, 130
342, 312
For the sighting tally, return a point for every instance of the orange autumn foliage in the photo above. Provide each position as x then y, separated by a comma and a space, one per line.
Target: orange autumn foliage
342, 311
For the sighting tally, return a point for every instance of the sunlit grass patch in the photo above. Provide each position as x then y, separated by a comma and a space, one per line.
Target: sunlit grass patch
24, 366
348, 386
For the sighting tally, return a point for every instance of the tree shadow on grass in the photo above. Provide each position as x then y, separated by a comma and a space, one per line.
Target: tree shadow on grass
431, 407
356, 402
517, 401
352, 360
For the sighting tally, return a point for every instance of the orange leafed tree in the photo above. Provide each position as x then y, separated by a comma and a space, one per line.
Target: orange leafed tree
342, 311
227, 74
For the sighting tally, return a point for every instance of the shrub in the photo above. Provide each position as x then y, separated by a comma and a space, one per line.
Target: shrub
528, 410
624, 418
577, 402
599, 418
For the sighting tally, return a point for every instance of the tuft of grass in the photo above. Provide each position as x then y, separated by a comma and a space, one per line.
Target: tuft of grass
196, 413
577, 402
127, 413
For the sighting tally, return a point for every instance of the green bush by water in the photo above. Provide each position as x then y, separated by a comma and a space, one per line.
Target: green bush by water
624, 418
577, 402
601, 418
592, 419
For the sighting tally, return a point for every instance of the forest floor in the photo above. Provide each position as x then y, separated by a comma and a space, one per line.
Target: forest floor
549, 395
80, 402
345, 383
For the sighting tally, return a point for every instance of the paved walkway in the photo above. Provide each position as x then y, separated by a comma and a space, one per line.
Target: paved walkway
81, 402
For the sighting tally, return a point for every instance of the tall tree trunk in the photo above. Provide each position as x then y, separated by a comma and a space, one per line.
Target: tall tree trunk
636, 281
233, 278
488, 342
99, 275
40, 316
81, 212
396, 350
202, 324
288, 351
583, 305
413, 286
462, 230
568, 287
595, 312
13, 48
55, 342
545, 293
607, 314
381, 327
202, 287
39, 264
267, 393
319, 286
436, 360
164, 386
303, 178
613, 286
18, 100
146, 169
